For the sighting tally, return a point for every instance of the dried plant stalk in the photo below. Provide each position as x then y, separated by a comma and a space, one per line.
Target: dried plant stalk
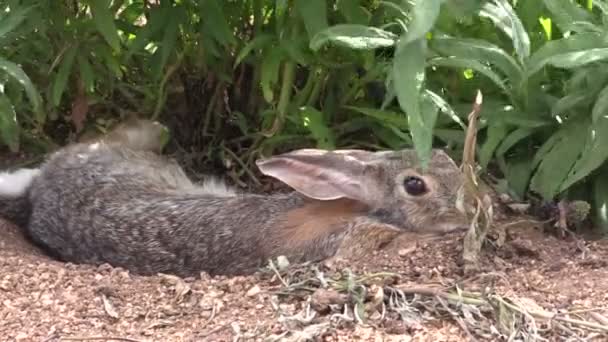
473, 195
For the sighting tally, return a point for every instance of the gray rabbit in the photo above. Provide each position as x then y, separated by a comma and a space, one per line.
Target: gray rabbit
120, 202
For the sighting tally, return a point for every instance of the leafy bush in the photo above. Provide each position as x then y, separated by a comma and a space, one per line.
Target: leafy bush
239, 78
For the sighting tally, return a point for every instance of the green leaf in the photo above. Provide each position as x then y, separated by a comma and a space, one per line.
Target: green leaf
104, 21
566, 14
497, 111
409, 76
450, 136
569, 52
215, 23
109, 59
388, 136
405, 138
270, 72
505, 18
167, 46
594, 153
429, 113
281, 8
9, 128
479, 50
557, 160
529, 13
314, 15
424, 14
408, 80
256, 43
86, 72
462, 9
132, 12
600, 199
578, 58
593, 78
511, 140
600, 108
353, 36
495, 135
445, 107
18, 74
464, 63
518, 172
388, 117
14, 18
354, 12
297, 50
315, 123
524, 119
61, 79
570, 102
158, 19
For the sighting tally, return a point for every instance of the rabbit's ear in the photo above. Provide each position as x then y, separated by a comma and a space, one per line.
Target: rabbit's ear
318, 174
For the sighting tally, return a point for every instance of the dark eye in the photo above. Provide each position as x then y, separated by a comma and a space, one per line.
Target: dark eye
414, 185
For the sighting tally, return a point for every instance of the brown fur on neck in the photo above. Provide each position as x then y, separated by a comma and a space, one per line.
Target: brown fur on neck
316, 219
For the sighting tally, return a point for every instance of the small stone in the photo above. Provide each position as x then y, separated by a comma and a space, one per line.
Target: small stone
406, 251
282, 262
253, 291
21, 336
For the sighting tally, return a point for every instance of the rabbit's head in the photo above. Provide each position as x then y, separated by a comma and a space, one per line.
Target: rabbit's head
391, 184
134, 133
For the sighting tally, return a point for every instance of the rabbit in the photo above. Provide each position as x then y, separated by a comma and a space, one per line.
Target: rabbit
116, 203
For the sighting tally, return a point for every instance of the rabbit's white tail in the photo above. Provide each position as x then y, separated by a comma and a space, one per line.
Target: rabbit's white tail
16, 183
14, 201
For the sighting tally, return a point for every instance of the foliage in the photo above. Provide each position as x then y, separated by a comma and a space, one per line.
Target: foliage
234, 79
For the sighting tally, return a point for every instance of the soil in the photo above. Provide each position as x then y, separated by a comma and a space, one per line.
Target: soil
45, 300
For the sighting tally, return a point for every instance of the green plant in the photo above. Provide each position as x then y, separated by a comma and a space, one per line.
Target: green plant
235, 79
13, 80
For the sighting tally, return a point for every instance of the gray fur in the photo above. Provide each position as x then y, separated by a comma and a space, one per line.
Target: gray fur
104, 203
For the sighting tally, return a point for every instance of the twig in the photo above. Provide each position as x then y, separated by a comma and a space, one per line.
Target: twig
276, 272
365, 277
555, 317
215, 330
600, 318
428, 291
98, 338
242, 164
213, 312
458, 320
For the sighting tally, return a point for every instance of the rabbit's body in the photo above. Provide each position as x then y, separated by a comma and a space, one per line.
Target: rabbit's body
104, 203
131, 210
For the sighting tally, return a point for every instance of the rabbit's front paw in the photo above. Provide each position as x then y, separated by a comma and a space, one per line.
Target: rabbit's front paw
363, 239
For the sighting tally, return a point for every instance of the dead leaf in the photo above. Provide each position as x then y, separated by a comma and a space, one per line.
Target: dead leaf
181, 288
108, 307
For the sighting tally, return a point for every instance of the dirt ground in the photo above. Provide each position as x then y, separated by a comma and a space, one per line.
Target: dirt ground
45, 300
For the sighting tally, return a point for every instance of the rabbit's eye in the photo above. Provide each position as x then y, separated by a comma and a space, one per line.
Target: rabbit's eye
414, 186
